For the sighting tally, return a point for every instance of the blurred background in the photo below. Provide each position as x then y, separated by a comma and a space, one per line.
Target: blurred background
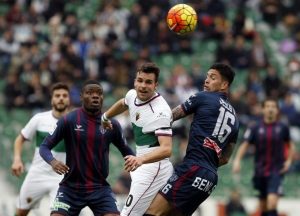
44, 41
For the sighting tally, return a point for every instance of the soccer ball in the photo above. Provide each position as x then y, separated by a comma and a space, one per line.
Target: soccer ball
182, 19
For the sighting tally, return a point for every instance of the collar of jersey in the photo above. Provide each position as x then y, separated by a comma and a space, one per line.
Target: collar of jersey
143, 103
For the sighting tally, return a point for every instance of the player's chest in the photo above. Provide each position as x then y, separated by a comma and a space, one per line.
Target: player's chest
141, 115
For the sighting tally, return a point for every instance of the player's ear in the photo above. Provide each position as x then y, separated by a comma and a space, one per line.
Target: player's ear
224, 84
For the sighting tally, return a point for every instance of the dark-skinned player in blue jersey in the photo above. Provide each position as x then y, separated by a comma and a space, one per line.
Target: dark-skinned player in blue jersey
213, 134
270, 137
87, 152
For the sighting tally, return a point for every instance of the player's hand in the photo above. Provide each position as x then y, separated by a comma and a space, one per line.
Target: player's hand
59, 167
286, 166
132, 163
107, 125
17, 168
236, 167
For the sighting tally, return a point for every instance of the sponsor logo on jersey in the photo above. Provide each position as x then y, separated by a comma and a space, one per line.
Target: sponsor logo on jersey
78, 128
209, 143
59, 205
161, 114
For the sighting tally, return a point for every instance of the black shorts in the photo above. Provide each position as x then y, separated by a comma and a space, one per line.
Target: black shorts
71, 202
268, 184
188, 187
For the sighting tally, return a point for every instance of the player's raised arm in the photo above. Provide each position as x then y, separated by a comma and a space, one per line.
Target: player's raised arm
236, 166
116, 109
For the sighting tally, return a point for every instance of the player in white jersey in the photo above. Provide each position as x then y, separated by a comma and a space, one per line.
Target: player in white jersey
40, 180
151, 117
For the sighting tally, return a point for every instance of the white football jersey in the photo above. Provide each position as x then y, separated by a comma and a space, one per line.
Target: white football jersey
149, 119
38, 127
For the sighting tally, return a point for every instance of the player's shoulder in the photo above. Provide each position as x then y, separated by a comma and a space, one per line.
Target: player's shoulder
72, 114
160, 101
131, 93
42, 115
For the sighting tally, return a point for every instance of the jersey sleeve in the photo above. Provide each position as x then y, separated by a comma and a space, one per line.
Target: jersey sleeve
249, 134
286, 133
29, 130
129, 96
52, 140
119, 139
190, 105
160, 124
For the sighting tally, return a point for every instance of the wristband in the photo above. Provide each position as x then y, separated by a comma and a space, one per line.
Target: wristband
104, 118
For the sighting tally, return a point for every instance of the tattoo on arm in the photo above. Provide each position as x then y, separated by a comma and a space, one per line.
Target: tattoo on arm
178, 113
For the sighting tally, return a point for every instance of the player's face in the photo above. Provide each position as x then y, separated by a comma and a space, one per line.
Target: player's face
60, 100
270, 111
214, 82
92, 98
145, 85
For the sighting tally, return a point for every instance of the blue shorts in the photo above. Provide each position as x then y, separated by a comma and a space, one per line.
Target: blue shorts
188, 187
268, 184
71, 202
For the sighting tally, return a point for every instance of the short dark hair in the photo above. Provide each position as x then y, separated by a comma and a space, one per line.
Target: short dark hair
225, 70
88, 82
270, 99
59, 85
149, 67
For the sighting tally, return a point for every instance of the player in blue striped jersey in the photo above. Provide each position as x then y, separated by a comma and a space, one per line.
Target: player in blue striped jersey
87, 150
270, 138
212, 135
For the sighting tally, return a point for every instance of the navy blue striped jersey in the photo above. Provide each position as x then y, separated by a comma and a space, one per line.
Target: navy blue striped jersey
214, 125
269, 141
87, 148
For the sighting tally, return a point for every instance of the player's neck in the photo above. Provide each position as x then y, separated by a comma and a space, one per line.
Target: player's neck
58, 114
269, 120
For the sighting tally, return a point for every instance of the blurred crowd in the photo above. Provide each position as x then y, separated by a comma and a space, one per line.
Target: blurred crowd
44, 41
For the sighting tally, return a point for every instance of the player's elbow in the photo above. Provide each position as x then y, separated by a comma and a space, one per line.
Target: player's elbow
223, 161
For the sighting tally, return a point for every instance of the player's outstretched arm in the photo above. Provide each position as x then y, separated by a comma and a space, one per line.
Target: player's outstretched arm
17, 167
236, 167
289, 159
116, 109
163, 151
178, 113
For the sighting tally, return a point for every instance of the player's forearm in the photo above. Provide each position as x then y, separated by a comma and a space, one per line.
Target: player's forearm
45, 152
226, 154
178, 113
116, 109
18, 145
158, 154
291, 151
241, 151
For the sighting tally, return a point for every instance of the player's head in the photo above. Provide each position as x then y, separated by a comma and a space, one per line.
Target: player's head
270, 110
146, 80
60, 97
92, 96
219, 77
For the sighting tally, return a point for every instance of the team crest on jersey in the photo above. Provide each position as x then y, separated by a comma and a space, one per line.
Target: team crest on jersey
137, 116
78, 127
